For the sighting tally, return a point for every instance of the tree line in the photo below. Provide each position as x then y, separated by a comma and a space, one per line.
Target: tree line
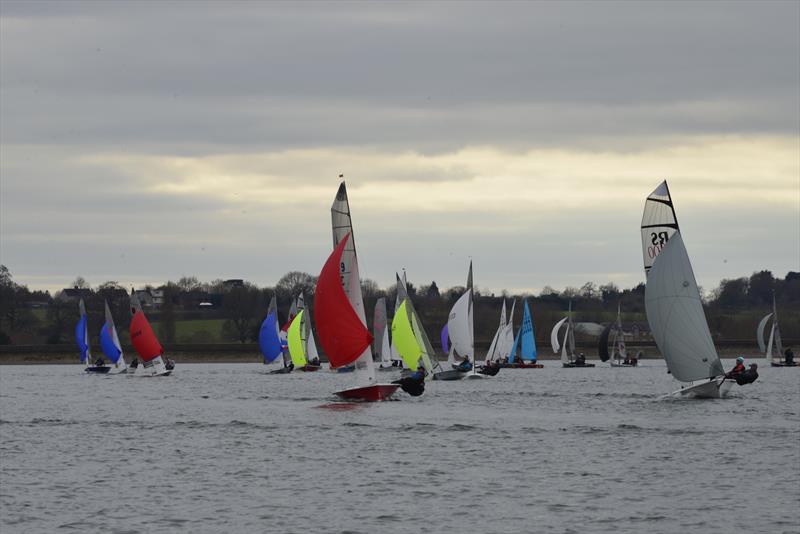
35, 317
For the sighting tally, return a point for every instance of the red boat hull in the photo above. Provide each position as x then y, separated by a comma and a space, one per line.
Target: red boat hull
375, 393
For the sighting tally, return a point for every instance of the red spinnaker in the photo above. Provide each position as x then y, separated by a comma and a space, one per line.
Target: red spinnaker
143, 338
341, 333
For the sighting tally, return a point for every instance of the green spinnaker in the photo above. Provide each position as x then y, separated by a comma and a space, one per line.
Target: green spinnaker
296, 349
404, 338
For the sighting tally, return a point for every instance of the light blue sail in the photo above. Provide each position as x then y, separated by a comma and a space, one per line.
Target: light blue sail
107, 343
268, 339
526, 338
80, 338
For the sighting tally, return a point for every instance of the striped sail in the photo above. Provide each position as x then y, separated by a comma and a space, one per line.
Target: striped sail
658, 224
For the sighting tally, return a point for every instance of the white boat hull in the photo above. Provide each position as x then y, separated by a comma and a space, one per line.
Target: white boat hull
716, 388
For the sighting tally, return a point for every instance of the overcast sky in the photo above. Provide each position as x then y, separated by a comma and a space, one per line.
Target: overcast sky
140, 142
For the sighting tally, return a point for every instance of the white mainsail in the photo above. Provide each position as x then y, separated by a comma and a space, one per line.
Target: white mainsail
459, 326
120, 364
381, 333
659, 223
342, 225
554, 342
493, 353
399, 296
676, 317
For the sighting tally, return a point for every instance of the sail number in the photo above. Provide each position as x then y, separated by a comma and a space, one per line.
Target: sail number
658, 240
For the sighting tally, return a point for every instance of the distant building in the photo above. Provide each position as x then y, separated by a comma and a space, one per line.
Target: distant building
74, 294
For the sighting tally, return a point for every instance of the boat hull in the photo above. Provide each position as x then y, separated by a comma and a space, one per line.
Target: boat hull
521, 365
783, 364
448, 375
374, 393
713, 389
98, 369
572, 365
282, 371
473, 376
310, 368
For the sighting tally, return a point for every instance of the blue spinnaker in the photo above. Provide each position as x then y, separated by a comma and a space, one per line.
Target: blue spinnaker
110, 349
528, 351
268, 339
80, 338
444, 336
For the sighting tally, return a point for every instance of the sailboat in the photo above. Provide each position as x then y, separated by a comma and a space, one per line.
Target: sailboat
339, 310
82, 339
394, 354
773, 349
567, 344
412, 340
380, 329
461, 328
673, 305
619, 354
525, 342
145, 342
109, 342
302, 347
269, 340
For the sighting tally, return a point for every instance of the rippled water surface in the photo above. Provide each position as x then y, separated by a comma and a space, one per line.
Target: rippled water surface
227, 448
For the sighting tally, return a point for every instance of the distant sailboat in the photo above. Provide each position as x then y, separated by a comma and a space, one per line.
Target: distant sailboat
380, 329
614, 336
673, 305
145, 342
339, 310
269, 340
461, 328
525, 342
394, 354
567, 344
302, 347
82, 339
773, 349
412, 340
109, 342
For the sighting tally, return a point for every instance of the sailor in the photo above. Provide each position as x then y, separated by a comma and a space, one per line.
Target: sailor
100, 362
465, 365
789, 356
749, 376
580, 360
738, 368
420, 373
315, 361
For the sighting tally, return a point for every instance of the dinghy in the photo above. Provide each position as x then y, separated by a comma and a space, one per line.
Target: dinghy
302, 347
82, 339
394, 354
673, 305
618, 356
412, 340
567, 344
461, 328
380, 329
525, 342
773, 349
339, 310
451, 371
269, 340
109, 342
145, 342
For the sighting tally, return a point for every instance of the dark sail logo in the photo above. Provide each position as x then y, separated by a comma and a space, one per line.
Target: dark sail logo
658, 240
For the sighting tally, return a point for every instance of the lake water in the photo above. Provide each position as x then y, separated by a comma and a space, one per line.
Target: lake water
227, 448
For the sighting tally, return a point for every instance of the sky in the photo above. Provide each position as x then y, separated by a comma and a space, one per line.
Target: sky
141, 142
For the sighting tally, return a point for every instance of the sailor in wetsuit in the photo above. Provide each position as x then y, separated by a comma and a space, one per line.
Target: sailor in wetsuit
789, 356
465, 365
580, 360
738, 368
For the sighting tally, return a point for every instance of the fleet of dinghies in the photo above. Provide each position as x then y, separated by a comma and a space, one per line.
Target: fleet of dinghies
672, 301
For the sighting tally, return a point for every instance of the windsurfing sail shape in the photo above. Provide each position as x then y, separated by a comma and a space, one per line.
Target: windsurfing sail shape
109, 341
82, 335
659, 223
145, 341
676, 317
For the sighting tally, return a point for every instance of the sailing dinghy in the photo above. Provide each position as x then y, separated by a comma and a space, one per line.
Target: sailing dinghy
773, 349
145, 342
673, 305
302, 347
109, 342
614, 337
82, 339
339, 310
461, 328
525, 342
567, 344
380, 329
269, 340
